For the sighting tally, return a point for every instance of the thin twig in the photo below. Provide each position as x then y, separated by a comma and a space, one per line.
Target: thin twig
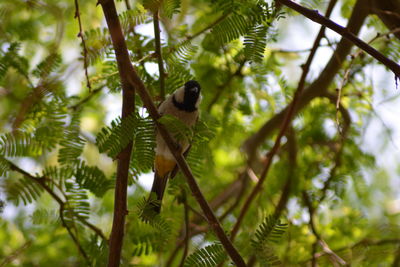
292, 154
157, 41
288, 51
187, 234
339, 94
14, 255
128, 5
347, 72
315, 16
338, 156
81, 35
87, 98
285, 124
209, 27
73, 237
42, 182
335, 258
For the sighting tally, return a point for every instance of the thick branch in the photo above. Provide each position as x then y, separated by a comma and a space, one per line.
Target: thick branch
317, 88
128, 107
130, 79
285, 124
315, 16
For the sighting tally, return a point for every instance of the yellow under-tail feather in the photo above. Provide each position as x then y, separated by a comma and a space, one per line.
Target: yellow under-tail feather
163, 166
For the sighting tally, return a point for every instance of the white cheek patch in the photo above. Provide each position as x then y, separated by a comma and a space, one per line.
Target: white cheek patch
180, 95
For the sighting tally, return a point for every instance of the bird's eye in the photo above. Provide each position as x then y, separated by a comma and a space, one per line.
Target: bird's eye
194, 89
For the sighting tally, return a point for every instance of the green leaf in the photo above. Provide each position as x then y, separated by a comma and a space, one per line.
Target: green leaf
208, 256
72, 144
77, 204
142, 158
92, 179
111, 140
43, 216
50, 64
23, 189
270, 231
20, 144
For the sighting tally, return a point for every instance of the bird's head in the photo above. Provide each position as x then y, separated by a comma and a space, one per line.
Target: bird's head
188, 96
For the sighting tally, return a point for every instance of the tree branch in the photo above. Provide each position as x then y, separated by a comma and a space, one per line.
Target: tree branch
317, 88
14, 255
285, 124
80, 34
130, 80
157, 40
125, 69
292, 154
315, 16
42, 182
322, 243
187, 234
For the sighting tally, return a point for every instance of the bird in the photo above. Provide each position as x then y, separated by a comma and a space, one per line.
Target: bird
184, 105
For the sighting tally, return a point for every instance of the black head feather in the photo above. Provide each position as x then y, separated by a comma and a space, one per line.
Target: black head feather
192, 94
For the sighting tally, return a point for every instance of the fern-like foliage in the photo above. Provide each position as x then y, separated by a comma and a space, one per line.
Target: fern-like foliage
229, 29
255, 42
44, 216
50, 64
72, 144
112, 139
20, 144
23, 189
97, 250
152, 232
92, 179
77, 204
4, 166
12, 59
178, 74
182, 53
170, 7
98, 44
131, 18
47, 121
57, 175
270, 231
208, 256
142, 158
251, 20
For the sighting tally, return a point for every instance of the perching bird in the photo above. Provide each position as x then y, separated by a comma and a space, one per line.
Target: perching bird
182, 104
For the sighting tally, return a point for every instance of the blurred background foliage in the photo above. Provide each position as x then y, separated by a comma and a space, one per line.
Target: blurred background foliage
59, 138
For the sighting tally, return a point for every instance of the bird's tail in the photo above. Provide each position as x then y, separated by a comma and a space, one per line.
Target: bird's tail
163, 167
157, 191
